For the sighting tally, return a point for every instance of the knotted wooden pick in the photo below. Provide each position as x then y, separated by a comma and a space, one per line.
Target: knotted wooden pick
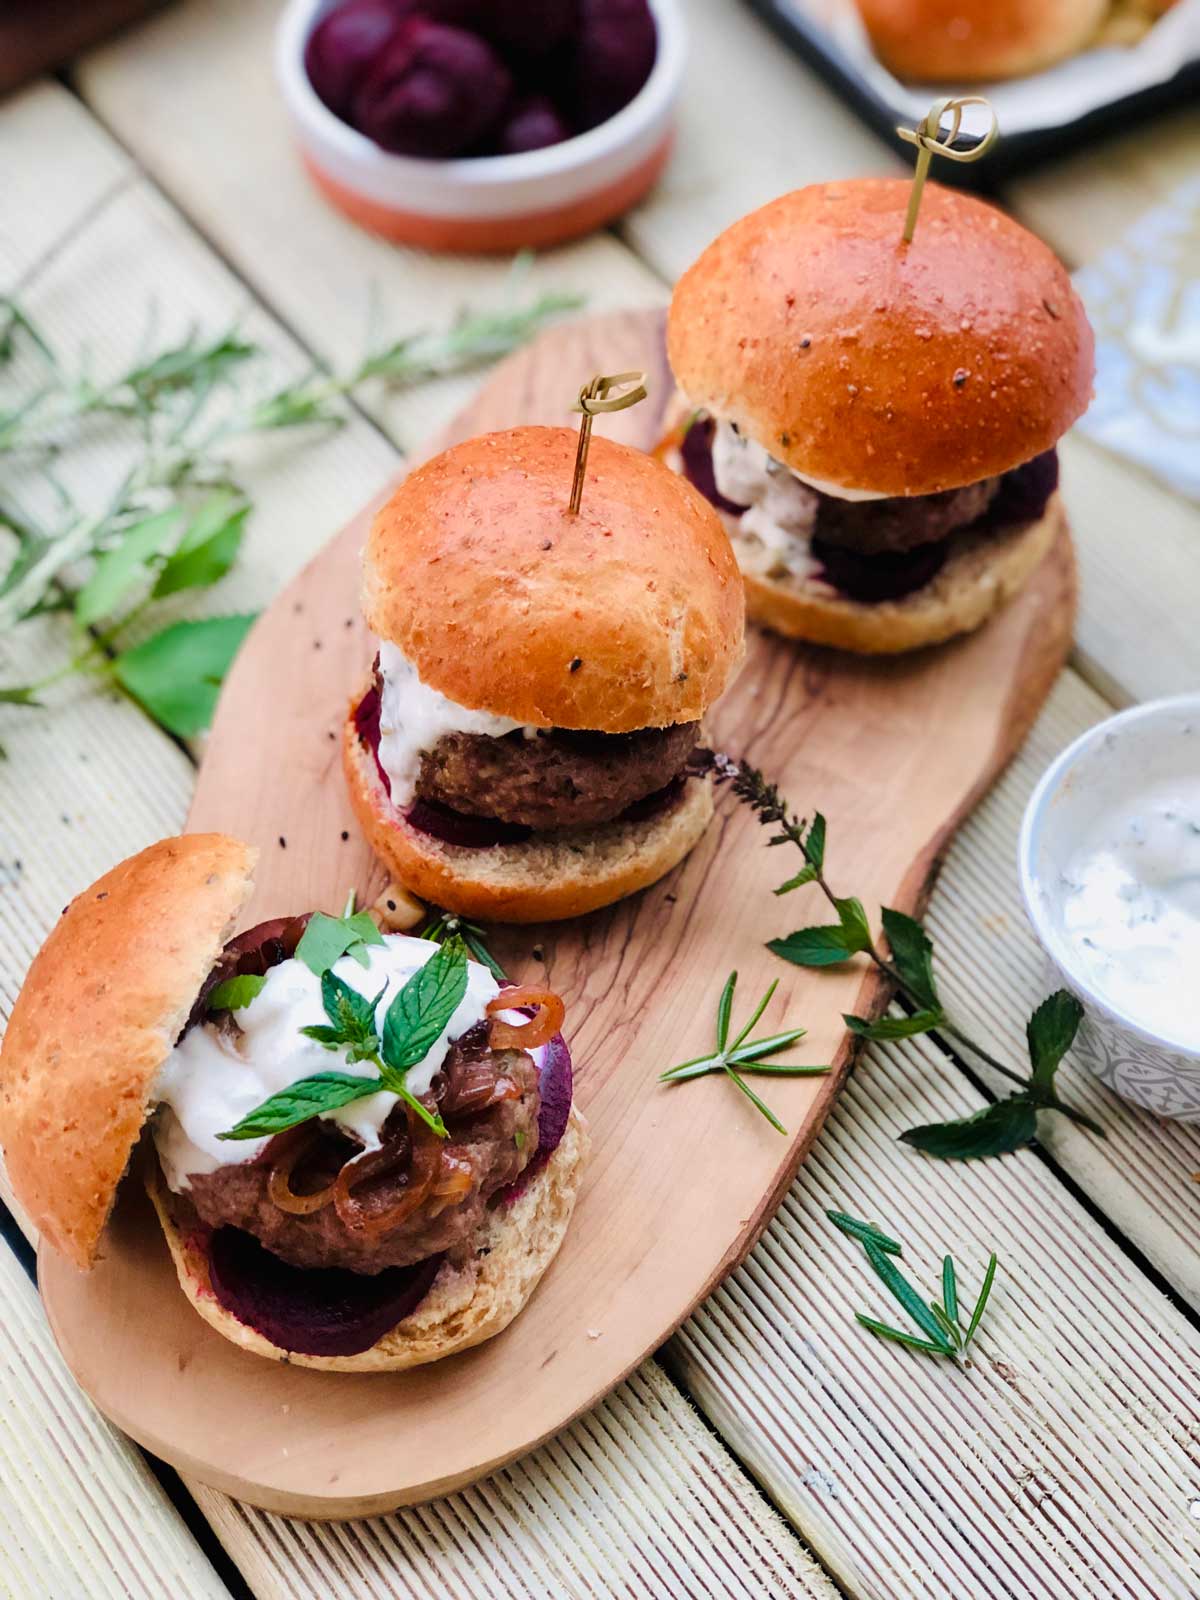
614, 393
932, 140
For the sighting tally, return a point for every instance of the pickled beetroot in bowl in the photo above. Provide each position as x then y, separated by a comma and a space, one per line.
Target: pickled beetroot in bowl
613, 55
434, 91
533, 123
528, 27
343, 45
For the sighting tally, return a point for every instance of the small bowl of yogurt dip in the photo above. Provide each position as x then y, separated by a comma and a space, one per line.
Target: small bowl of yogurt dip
1109, 860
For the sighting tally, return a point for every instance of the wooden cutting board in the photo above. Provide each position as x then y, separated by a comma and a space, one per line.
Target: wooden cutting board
681, 1180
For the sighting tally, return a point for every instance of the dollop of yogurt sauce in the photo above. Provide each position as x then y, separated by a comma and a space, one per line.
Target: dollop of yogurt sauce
781, 505
1130, 905
413, 717
213, 1078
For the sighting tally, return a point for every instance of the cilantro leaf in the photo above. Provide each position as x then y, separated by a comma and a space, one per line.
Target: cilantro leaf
1051, 1032
325, 1091
237, 992
326, 939
419, 1013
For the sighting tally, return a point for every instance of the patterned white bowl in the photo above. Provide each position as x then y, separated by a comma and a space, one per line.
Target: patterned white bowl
1151, 1069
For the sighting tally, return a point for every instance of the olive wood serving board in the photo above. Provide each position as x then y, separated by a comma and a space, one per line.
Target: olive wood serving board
681, 1180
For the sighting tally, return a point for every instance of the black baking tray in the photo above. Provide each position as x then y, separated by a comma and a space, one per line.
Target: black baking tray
1013, 153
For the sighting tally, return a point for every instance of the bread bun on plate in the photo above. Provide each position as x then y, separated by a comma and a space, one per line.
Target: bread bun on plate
364, 1233
974, 41
876, 420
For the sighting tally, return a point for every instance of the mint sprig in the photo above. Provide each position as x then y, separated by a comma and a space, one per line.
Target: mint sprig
998, 1129
237, 992
327, 939
414, 1021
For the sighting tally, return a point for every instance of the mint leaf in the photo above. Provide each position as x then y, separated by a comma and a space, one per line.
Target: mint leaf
854, 922
893, 1027
814, 844
176, 674
994, 1131
912, 956
1051, 1032
805, 875
419, 1013
812, 947
236, 993
120, 568
208, 548
326, 1091
327, 939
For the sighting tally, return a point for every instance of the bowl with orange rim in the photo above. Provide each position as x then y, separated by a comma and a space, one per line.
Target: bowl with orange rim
485, 203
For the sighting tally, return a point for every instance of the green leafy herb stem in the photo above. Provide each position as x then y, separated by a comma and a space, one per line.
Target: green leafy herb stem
748, 1055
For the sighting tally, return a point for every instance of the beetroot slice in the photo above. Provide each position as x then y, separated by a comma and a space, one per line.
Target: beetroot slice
696, 450
323, 1311
556, 1082
455, 827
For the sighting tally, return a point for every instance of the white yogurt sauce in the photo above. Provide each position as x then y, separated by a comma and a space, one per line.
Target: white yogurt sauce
413, 717
1130, 905
212, 1079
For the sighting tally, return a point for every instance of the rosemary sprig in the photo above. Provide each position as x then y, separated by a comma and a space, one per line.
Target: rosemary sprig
941, 1329
746, 1053
996, 1129
176, 519
446, 926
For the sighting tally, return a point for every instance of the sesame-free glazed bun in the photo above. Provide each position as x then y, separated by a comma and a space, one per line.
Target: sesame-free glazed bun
626, 616
103, 1003
867, 363
466, 1305
553, 875
969, 41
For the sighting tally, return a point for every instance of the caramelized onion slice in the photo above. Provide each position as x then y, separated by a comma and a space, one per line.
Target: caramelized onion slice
279, 1183
540, 1028
426, 1149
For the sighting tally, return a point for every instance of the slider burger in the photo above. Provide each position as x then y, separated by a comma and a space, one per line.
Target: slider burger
521, 751
362, 1149
876, 420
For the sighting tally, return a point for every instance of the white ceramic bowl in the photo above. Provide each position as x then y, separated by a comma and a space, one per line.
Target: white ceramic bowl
1151, 1068
490, 203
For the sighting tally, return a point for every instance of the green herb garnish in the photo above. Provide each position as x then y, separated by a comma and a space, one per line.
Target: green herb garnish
413, 1023
997, 1129
746, 1053
327, 939
447, 925
939, 1321
236, 993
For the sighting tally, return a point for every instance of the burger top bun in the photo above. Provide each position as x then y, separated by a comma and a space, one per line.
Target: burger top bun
628, 615
867, 363
103, 1004
969, 41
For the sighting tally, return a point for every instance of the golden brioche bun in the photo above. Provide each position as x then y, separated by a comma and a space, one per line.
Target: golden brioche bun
970, 41
867, 363
981, 574
548, 877
628, 615
466, 1305
99, 1012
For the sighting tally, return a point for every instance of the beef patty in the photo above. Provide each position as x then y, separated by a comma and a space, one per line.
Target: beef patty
495, 1144
890, 527
560, 779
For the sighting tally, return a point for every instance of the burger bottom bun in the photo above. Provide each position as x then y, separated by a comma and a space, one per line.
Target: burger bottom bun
982, 573
544, 879
466, 1305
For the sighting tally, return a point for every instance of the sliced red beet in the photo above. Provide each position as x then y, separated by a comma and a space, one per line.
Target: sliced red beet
533, 123
366, 726
696, 450
433, 91
614, 53
653, 805
312, 1311
455, 827
556, 1083
885, 576
527, 27
343, 46
1024, 492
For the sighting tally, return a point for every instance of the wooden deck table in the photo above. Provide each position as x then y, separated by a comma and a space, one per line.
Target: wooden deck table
773, 1448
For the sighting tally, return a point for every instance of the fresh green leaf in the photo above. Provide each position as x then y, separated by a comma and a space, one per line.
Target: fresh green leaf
854, 922
949, 1328
950, 1289
753, 1022
993, 1131
208, 548
309, 1097
22, 695
754, 1049
236, 993
122, 567
988, 1279
909, 1339
912, 956
901, 1290
352, 1014
755, 1101
805, 875
814, 844
422, 1010
893, 1027
176, 675
864, 1231
1051, 1032
327, 939
483, 955
813, 947
724, 1006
